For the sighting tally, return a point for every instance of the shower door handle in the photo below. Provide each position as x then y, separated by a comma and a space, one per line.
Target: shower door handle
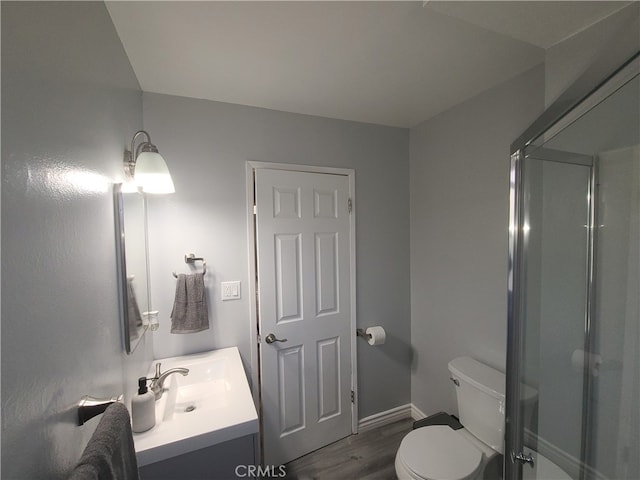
271, 338
525, 458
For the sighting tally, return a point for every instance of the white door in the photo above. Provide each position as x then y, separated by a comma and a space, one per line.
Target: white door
304, 301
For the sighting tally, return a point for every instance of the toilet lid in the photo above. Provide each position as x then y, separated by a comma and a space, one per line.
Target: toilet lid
438, 452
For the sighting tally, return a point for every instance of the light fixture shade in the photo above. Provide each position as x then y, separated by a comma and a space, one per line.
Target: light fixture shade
152, 174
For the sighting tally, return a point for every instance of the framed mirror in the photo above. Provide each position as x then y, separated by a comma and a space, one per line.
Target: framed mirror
133, 265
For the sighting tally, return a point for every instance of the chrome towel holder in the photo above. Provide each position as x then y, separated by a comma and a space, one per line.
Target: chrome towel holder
89, 407
192, 259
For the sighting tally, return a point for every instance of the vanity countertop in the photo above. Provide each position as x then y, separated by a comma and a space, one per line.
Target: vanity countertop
210, 405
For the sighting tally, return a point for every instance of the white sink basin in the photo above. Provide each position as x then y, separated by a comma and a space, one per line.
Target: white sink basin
205, 387
210, 405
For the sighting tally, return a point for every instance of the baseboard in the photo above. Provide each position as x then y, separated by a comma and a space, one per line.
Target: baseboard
389, 416
385, 418
416, 413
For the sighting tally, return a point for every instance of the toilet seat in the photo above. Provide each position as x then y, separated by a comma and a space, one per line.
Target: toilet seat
437, 452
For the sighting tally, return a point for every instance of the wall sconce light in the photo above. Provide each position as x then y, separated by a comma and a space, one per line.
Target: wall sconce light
147, 167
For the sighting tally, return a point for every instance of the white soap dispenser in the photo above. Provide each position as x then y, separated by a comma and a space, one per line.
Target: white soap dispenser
143, 408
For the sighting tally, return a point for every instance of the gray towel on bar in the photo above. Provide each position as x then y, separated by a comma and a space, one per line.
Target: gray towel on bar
190, 314
110, 453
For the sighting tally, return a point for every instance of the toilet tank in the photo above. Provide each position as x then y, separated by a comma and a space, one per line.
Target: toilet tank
480, 393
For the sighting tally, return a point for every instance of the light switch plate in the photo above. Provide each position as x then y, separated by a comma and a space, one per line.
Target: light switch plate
230, 290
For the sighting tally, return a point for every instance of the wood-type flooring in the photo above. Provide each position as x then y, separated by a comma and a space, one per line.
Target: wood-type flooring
365, 456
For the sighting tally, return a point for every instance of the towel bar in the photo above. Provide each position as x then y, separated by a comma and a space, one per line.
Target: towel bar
191, 259
89, 407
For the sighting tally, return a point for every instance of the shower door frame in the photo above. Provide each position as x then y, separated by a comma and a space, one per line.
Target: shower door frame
517, 295
619, 62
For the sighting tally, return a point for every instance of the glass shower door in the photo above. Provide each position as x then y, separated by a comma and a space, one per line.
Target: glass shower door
574, 309
615, 446
556, 225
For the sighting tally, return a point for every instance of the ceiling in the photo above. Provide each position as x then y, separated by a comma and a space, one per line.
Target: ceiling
390, 63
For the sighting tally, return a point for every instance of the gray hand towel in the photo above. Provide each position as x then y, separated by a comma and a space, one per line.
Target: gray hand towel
190, 314
110, 453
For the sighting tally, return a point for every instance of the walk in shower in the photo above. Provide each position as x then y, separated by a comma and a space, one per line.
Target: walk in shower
574, 318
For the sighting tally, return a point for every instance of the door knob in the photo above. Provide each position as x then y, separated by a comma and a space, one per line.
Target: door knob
271, 338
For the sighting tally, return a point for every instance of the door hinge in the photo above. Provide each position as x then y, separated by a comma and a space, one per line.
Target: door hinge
353, 396
255, 209
350, 205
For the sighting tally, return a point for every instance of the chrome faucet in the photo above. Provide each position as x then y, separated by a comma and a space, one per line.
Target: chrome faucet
157, 382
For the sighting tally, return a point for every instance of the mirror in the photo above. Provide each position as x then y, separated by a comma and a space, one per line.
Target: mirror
132, 261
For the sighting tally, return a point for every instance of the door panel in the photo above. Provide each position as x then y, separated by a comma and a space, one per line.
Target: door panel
329, 378
303, 267
291, 382
326, 273
288, 266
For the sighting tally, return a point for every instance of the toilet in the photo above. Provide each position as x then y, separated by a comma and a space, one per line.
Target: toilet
438, 452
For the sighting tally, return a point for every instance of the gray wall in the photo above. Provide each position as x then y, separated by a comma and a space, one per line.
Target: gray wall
207, 145
70, 103
459, 165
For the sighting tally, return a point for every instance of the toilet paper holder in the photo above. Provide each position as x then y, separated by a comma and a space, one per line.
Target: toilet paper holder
360, 332
373, 335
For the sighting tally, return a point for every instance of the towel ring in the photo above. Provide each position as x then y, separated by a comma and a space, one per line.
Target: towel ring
192, 259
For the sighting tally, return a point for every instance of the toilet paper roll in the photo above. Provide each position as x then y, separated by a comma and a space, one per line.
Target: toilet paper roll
377, 335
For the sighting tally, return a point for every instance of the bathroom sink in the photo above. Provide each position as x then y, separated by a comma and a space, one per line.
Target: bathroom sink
205, 387
210, 405
191, 397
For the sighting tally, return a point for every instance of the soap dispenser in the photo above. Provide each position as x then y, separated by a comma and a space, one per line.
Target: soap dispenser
143, 408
